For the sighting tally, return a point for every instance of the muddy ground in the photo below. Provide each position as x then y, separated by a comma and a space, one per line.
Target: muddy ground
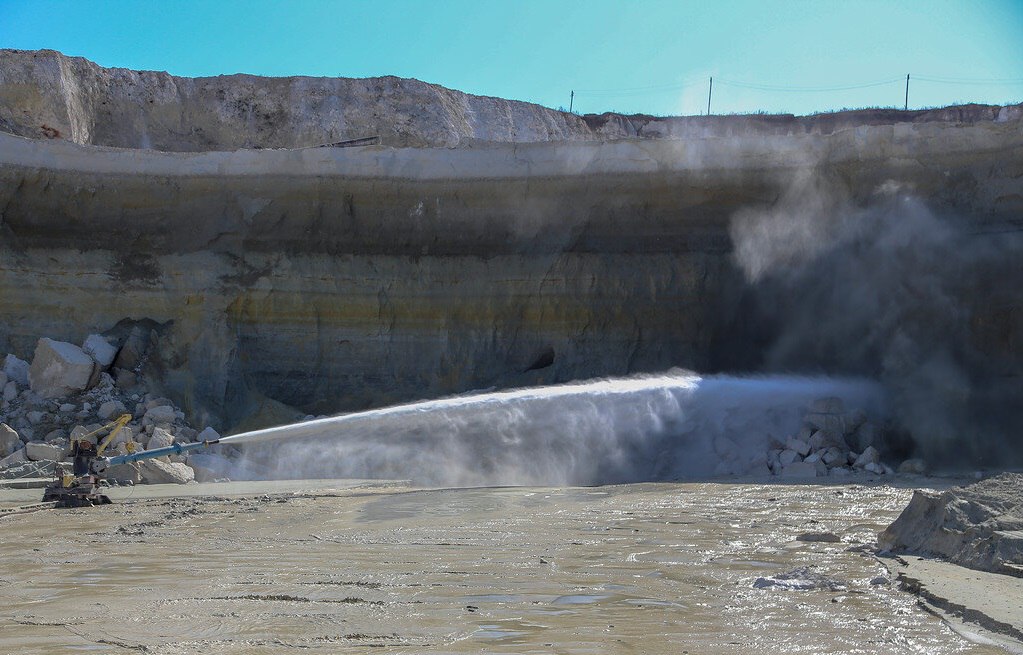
338, 567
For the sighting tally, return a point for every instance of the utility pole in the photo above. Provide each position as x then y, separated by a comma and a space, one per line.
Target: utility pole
710, 92
906, 108
571, 101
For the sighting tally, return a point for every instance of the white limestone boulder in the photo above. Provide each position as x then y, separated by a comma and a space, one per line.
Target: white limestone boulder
9, 440
154, 471
39, 451
111, 409
16, 370
161, 438
159, 415
798, 445
100, 350
123, 473
788, 456
59, 369
15, 458
869, 456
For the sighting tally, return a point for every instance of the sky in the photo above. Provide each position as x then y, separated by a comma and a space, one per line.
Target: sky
639, 56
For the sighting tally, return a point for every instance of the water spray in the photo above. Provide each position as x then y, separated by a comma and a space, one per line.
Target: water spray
642, 428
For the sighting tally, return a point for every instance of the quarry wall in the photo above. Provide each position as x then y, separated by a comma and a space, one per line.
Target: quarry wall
337, 279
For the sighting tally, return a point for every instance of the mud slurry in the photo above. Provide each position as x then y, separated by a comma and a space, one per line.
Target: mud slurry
665, 568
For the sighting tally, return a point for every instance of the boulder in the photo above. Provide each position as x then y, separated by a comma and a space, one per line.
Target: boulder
869, 456
100, 350
134, 350
161, 439
59, 369
834, 457
9, 440
111, 408
829, 422
159, 402
38, 451
35, 418
786, 457
124, 379
799, 446
3, 379
16, 370
824, 439
10, 390
26, 469
159, 415
978, 526
17, 457
123, 473
154, 471
66, 408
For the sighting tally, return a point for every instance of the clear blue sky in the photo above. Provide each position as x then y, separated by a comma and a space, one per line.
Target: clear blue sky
540, 50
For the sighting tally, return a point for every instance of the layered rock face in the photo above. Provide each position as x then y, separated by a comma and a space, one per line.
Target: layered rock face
339, 279
44, 94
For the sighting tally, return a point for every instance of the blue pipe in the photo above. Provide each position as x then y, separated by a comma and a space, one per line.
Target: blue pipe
152, 454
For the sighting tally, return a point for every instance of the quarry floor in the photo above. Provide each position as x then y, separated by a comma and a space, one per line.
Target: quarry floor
338, 566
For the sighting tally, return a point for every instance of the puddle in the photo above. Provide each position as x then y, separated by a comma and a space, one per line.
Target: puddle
580, 599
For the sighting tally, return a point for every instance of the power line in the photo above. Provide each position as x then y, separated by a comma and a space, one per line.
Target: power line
966, 80
806, 89
675, 86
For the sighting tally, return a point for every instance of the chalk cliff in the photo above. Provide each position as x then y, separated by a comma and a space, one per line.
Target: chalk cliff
337, 279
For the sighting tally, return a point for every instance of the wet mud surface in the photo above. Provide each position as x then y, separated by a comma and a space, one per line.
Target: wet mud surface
649, 568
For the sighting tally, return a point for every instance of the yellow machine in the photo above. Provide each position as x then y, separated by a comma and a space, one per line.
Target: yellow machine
79, 487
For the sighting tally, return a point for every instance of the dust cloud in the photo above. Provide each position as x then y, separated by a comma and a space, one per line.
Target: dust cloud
890, 289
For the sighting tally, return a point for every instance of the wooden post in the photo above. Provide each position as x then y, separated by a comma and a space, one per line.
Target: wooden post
710, 92
906, 107
571, 101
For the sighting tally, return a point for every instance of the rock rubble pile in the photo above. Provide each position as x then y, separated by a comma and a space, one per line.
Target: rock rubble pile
68, 391
833, 442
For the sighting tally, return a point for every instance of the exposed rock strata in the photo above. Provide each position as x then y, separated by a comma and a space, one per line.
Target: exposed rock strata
44, 94
246, 282
979, 526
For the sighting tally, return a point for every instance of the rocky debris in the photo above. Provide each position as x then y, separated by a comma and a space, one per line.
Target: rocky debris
154, 471
37, 428
26, 469
801, 579
833, 441
979, 526
59, 369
